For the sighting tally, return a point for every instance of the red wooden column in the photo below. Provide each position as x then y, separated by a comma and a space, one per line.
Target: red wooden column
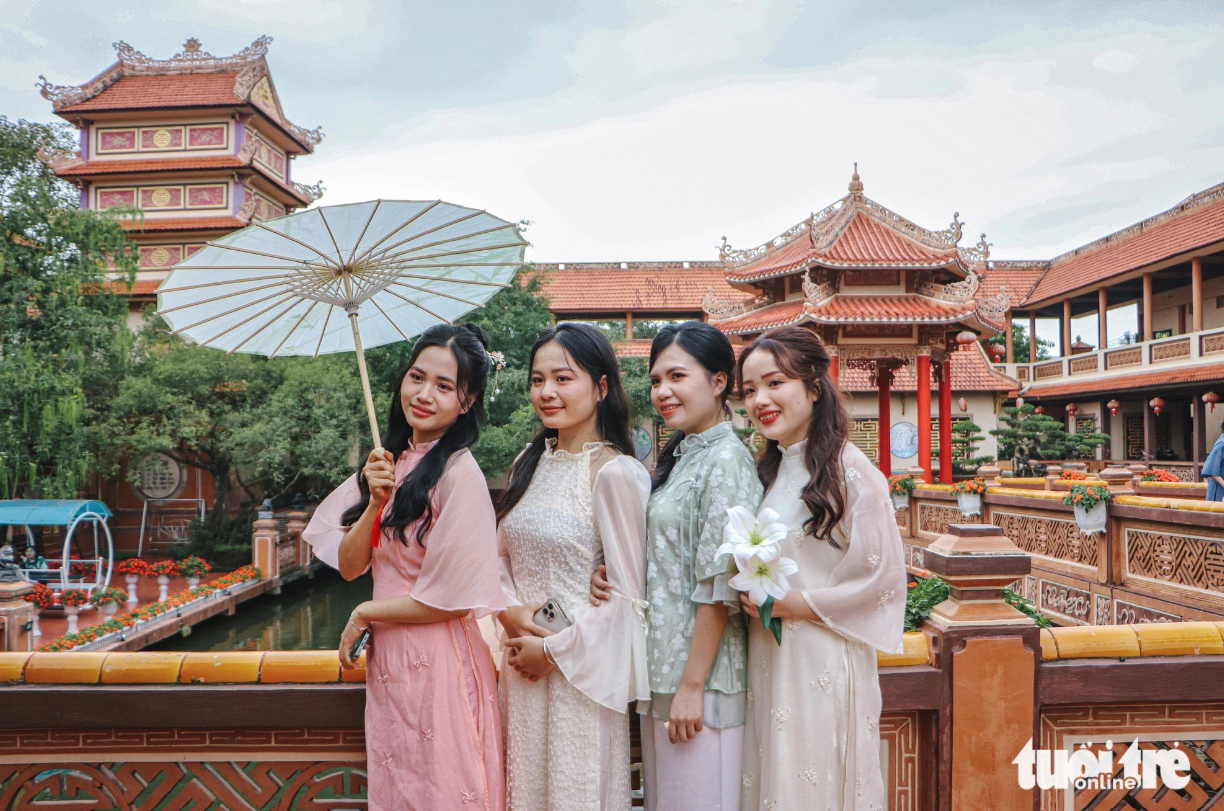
834, 364
945, 421
884, 382
924, 411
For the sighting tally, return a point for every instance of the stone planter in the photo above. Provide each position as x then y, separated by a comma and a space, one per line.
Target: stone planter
110, 609
192, 582
969, 503
163, 587
1094, 520
132, 580
900, 501
71, 611
34, 629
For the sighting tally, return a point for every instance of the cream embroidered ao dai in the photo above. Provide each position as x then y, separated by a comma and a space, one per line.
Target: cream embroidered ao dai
812, 738
685, 521
567, 734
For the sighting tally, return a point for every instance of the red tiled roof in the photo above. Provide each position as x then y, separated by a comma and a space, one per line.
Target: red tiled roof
658, 286
144, 92
1145, 380
637, 348
1017, 277
866, 242
1196, 222
970, 372
907, 307
184, 224
790, 257
143, 287
115, 167
768, 317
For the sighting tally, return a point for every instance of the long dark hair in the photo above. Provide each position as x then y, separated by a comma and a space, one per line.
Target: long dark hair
802, 355
412, 501
591, 350
709, 347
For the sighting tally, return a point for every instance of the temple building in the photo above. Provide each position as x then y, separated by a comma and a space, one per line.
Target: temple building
195, 146
901, 308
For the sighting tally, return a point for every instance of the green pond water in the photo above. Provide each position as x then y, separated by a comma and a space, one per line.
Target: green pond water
308, 614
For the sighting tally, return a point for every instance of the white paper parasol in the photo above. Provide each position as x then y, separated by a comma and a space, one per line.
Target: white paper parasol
393, 267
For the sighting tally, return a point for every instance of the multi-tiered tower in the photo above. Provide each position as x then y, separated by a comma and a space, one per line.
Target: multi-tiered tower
198, 143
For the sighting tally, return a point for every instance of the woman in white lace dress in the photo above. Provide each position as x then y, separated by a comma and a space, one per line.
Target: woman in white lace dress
576, 499
811, 740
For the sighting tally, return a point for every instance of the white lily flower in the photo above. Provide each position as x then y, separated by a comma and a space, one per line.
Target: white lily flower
764, 578
747, 536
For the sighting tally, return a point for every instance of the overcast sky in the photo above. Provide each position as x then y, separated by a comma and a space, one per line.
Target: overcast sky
631, 130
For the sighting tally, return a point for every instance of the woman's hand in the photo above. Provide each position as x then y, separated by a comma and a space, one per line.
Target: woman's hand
379, 472
528, 658
790, 607
348, 638
518, 620
601, 589
687, 711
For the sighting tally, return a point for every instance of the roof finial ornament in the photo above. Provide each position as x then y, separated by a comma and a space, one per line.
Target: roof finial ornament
856, 185
191, 46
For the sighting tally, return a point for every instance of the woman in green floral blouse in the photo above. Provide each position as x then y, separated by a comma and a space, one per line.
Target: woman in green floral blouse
692, 732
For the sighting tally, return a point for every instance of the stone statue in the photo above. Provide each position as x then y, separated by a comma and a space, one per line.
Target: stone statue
8, 569
1022, 458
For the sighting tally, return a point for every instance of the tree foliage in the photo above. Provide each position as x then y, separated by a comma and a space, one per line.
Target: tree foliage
62, 323
965, 439
1040, 437
1020, 344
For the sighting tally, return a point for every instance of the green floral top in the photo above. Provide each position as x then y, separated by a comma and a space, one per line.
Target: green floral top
684, 528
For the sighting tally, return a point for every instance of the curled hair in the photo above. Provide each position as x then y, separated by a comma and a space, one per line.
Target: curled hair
709, 346
591, 350
801, 355
412, 502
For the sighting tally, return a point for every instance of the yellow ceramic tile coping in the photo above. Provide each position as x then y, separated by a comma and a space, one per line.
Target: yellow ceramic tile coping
1095, 641
229, 667
1023, 480
300, 666
64, 668
12, 665
1172, 503
1177, 485
147, 667
1049, 648
917, 652
1179, 639
1050, 495
943, 488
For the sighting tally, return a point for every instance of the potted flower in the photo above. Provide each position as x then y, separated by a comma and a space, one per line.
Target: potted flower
108, 600
193, 569
1160, 476
969, 496
72, 600
42, 598
899, 488
1089, 502
132, 570
163, 570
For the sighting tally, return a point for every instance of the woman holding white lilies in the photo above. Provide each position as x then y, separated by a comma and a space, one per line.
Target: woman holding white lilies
693, 727
837, 579
576, 498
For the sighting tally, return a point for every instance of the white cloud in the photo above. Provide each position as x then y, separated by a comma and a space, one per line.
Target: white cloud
1115, 60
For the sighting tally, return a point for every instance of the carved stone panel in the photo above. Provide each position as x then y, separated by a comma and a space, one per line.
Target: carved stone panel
1048, 536
1170, 555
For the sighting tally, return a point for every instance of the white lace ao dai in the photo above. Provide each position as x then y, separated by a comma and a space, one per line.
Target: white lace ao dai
567, 735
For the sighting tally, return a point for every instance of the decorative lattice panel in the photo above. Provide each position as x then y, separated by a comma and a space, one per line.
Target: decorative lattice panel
1134, 436
1171, 350
1198, 729
1123, 357
1169, 555
865, 434
1051, 537
899, 733
933, 519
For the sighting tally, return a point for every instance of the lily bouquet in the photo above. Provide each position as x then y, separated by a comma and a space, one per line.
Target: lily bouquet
755, 542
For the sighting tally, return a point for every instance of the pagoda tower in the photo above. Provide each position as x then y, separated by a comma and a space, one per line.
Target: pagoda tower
198, 144
888, 297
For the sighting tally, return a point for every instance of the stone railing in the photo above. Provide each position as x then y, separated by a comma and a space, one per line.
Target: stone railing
1190, 349
284, 730
1160, 559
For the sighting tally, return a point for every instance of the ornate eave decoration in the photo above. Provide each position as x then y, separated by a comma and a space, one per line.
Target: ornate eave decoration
825, 226
310, 193
58, 159
721, 309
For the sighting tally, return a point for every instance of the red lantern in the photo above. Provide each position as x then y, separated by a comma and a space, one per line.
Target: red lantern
997, 352
1019, 402
964, 406
1212, 398
1039, 410
966, 339
1156, 403
1072, 408
1113, 406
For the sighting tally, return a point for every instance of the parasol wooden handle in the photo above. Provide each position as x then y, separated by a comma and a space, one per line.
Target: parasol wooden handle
365, 380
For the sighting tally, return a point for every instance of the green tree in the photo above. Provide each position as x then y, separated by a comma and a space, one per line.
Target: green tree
1041, 436
62, 322
965, 439
1020, 344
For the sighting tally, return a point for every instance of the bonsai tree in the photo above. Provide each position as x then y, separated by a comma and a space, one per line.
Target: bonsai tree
965, 438
1028, 438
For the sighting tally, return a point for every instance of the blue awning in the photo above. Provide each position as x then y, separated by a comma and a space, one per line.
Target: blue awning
47, 512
